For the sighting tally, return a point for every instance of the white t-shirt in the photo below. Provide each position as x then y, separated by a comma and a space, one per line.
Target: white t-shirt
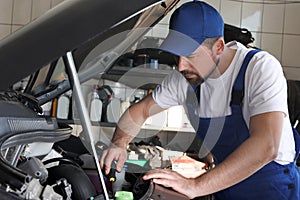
265, 91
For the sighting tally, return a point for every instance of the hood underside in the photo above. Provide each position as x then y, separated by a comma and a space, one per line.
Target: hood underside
73, 25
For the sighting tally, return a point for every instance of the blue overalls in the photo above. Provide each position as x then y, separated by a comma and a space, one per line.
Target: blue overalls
273, 181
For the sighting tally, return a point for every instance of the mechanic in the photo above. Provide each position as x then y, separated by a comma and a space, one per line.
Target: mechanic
240, 113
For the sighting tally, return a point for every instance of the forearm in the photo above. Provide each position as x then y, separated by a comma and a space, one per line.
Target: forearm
233, 170
128, 127
257, 151
132, 120
241, 164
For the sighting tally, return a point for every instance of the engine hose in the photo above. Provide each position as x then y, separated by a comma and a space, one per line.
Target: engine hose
11, 175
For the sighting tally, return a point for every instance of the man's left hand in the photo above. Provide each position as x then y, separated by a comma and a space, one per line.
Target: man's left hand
174, 180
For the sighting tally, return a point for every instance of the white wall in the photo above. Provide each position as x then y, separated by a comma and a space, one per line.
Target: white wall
14, 14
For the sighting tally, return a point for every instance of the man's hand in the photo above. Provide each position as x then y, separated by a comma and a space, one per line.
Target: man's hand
113, 153
174, 180
128, 127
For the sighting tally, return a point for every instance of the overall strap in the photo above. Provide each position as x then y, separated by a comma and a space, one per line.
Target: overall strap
196, 90
237, 94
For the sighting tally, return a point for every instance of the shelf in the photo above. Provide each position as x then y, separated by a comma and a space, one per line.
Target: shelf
170, 129
104, 124
144, 127
137, 77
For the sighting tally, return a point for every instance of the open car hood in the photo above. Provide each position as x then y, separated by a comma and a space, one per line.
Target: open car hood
73, 26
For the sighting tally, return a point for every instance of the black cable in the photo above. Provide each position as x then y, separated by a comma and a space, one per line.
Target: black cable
31, 82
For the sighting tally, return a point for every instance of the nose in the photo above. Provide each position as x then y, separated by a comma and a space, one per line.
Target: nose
183, 64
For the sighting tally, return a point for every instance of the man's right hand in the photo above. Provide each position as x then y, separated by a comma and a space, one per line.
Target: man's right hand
113, 154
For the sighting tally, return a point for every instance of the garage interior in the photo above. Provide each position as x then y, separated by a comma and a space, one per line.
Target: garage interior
261, 24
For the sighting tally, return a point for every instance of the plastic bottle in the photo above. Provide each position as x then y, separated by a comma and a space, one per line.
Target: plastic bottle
95, 106
154, 64
113, 110
124, 105
63, 105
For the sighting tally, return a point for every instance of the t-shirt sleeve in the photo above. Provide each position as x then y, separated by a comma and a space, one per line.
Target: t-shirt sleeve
172, 91
268, 87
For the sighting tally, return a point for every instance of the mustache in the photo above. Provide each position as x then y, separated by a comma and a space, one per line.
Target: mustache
193, 81
185, 72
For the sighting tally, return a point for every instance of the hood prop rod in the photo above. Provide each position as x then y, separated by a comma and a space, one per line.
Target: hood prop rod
87, 137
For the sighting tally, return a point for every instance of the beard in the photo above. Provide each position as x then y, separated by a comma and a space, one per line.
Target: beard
197, 80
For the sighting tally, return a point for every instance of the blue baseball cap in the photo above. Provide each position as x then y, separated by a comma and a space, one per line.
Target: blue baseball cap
190, 25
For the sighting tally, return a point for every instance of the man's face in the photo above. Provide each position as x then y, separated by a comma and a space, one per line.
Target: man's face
198, 66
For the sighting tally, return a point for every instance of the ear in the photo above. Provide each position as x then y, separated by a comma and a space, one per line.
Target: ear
219, 46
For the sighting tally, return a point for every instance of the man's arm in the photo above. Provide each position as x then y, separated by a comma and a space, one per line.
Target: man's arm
258, 150
128, 127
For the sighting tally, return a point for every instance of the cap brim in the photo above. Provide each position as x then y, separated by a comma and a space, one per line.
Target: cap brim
180, 44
